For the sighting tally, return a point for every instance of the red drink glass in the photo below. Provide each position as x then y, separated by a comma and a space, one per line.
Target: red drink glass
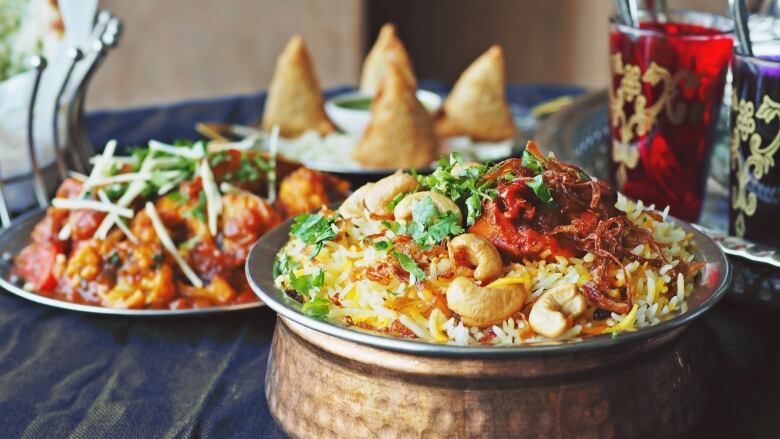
666, 93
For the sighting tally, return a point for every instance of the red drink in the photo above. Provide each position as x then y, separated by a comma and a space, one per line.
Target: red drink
667, 87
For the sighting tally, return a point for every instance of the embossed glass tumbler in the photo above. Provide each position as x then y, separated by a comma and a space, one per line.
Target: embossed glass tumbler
664, 100
755, 145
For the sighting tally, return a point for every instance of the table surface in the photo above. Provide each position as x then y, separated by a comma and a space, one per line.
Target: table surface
64, 373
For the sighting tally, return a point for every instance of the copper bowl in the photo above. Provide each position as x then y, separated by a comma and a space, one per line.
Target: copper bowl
325, 380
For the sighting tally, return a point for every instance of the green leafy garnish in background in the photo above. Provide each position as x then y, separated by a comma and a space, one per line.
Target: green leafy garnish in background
314, 229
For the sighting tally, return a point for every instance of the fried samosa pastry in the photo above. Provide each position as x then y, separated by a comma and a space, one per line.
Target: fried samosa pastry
295, 101
400, 134
477, 105
388, 49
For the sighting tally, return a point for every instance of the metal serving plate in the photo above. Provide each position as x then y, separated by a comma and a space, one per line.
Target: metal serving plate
711, 285
17, 236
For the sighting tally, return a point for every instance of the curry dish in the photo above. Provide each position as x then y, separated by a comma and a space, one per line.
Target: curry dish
168, 227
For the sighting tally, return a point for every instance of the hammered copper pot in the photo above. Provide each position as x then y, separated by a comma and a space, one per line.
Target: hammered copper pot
325, 380
322, 386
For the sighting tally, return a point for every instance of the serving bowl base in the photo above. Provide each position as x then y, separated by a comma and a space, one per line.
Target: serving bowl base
321, 386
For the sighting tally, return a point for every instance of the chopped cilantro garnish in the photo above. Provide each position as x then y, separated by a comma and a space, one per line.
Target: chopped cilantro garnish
247, 169
382, 244
541, 189
314, 229
408, 264
283, 265
178, 197
397, 199
532, 162
262, 164
199, 212
308, 282
219, 157
466, 188
429, 226
139, 154
114, 190
316, 307
391, 225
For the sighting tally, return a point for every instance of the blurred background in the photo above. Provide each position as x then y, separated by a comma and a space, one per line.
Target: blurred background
174, 50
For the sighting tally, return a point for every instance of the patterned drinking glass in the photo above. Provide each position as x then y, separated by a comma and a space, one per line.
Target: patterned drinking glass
667, 87
755, 142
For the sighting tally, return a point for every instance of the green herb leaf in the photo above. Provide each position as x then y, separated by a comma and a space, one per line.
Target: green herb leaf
467, 188
283, 264
307, 283
411, 267
541, 189
199, 212
397, 199
248, 170
316, 307
429, 226
391, 225
382, 244
114, 190
178, 197
314, 229
219, 157
532, 162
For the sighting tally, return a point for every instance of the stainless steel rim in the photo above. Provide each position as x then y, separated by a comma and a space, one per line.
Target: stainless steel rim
17, 236
717, 275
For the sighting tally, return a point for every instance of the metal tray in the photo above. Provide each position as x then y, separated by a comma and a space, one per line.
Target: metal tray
17, 236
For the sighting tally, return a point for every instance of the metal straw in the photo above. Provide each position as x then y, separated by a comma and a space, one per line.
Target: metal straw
39, 186
628, 12
740, 15
75, 55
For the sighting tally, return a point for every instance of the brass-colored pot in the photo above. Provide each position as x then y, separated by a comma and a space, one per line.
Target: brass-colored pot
320, 386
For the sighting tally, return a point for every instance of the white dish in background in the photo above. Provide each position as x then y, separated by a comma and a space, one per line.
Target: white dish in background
354, 121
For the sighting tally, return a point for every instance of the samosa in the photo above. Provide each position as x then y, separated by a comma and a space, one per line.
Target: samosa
388, 49
477, 105
295, 101
400, 134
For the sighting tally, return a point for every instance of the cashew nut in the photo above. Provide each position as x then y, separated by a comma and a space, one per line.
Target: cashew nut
383, 191
355, 204
479, 252
484, 306
548, 315
403, 210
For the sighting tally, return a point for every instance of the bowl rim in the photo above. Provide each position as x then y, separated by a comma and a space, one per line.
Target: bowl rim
431, 97
717, 273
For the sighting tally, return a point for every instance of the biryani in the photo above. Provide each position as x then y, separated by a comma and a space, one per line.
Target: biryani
528, 250
167, 227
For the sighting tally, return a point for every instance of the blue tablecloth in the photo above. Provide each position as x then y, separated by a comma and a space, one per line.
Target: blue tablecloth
70, 374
